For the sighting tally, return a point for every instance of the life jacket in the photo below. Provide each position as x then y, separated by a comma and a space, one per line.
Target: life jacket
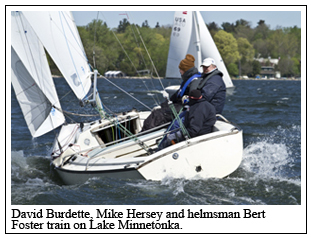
182, 89
203, 82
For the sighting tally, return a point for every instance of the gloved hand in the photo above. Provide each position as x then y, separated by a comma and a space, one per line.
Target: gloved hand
165, 94
185, 99
175, 135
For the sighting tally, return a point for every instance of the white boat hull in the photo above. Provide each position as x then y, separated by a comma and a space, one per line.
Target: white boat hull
203, 157
214, 155
72, 177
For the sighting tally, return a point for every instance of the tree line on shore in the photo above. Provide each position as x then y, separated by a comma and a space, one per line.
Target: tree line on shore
124, 48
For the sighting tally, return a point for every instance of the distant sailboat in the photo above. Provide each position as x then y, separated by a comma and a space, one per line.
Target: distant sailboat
191, 35
92, 149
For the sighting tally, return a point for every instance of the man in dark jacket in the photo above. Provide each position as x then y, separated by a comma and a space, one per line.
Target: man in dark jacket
164, 114
212, 85
201, 117
199, 120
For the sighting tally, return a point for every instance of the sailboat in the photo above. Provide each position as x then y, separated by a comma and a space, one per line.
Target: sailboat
91, 149
190, 35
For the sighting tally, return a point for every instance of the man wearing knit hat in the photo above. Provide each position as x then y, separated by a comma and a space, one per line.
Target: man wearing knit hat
164, 115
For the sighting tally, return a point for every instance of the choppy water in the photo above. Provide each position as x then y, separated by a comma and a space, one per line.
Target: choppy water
269, 112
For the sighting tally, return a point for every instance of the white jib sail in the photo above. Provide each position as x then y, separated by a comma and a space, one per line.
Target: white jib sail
209, 49
32, 80
59, 35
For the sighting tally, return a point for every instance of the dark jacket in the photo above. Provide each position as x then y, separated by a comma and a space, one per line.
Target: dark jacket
214, 90
164, 114
200, 118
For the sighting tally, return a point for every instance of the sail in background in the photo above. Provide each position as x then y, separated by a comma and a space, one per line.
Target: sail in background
180, 43
190, 35
209, 49
32, 80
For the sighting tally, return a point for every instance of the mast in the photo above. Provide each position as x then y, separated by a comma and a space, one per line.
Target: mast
197, 43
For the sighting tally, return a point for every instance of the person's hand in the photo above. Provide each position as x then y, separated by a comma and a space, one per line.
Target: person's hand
165, 94
185, 99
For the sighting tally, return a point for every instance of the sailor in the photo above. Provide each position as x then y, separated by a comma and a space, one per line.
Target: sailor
199, 119
164, 114
212, 85
188, 73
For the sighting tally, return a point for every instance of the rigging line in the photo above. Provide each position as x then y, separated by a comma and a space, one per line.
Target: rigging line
80, 46
126, 93
156, 102
111, 112
150, 59
136, 70
95, 23
138, 45
136, 40
79, 43
124, 130
122, 47
76, 114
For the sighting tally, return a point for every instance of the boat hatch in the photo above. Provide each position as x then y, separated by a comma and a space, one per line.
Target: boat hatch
113, 132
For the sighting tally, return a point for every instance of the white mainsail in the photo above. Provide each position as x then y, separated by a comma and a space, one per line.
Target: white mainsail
191, 35
180, 41
59, 35
32, 80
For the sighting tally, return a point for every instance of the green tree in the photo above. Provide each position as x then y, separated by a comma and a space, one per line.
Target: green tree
145, 24
213, 28
262, 31
256, 68
123, 25
296, 32
289, 67
261, 47
228, 27
296, 67
243, 30
246, 68
237, 42
245, 49
232, 69
97, 38
227, 46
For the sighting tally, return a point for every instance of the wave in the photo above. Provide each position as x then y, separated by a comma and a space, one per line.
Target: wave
276, 156
30, 169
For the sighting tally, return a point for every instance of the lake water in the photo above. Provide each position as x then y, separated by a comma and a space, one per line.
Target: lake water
269, 112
